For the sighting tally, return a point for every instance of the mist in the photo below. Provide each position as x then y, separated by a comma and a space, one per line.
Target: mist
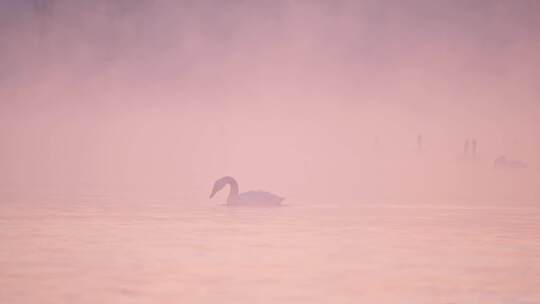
318, 101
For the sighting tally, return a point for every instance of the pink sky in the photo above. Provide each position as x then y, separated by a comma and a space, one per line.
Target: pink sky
287, 95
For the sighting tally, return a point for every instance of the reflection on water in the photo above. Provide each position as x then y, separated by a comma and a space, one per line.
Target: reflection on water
97, 251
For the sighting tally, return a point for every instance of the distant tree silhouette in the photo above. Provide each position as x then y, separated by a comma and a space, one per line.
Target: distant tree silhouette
44, 11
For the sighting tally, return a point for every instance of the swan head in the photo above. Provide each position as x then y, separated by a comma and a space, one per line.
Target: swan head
220, 184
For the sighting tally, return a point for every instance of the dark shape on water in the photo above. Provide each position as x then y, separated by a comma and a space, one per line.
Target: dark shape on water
503, 162
469, 149
251, 198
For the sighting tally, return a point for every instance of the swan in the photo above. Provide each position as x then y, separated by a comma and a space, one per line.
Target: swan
251, 198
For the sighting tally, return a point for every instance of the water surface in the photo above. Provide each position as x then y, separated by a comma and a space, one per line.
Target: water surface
95, 249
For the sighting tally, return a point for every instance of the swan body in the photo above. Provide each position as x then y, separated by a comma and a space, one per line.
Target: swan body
251, 198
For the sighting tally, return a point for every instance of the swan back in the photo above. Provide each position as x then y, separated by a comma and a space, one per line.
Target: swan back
257, 198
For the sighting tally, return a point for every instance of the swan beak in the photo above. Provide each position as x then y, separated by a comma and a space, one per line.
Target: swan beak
214, 191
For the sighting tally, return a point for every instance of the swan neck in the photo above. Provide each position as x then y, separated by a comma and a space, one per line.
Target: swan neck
233, 193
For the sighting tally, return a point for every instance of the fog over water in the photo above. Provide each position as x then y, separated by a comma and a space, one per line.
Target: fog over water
139, 106
168, 95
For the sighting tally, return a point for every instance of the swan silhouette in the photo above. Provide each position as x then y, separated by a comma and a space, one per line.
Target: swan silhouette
251, 198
